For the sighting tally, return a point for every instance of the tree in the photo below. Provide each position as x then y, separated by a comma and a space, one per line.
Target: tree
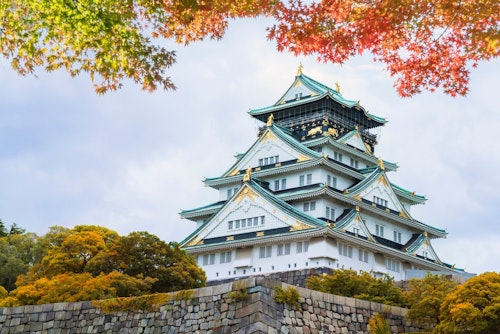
424, 298
73, 251
363, 285
425, 44
14, 229
141, 253
3, 229
93, 262
72, 287
473, 307
18, 252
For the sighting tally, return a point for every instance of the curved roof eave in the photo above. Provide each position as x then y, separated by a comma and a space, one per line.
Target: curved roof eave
221, 181
282, 205
320, 190
408, 195
389, 166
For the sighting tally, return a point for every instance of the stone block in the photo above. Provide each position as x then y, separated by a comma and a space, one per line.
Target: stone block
204, 292
339, 300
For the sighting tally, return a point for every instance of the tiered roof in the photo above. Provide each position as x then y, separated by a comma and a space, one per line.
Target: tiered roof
298, 138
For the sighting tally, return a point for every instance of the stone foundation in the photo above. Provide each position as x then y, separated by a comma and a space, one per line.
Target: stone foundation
211, 311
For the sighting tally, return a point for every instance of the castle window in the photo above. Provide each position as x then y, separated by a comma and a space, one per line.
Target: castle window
283, 249
302, 246
225, 257
345, 250
329, 213
363, 256
245, 222
269, 160
337, 156
208, 259
355, 230
380, 201
331, 181
305, 179
397, 237
277, 184
354, 163
379, 230
266, 251
392, 265
309, 206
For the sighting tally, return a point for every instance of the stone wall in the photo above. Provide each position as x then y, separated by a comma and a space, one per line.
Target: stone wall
292, 277
210, 310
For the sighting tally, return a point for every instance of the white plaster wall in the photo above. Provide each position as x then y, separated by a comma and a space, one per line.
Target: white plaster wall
273, 218
266, 149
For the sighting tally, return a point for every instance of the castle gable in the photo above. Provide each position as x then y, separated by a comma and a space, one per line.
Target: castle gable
250, 214
421, 247
273, 147
354, 139
353, 223
377, 190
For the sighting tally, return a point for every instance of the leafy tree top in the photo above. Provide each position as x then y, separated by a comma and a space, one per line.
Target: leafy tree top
424, 44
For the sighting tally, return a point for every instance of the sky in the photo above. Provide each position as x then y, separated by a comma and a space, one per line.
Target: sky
132, 160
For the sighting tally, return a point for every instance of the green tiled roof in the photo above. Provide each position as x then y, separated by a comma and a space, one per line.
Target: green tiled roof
321, 91
212, 206
285, 135
274, 200
416, 199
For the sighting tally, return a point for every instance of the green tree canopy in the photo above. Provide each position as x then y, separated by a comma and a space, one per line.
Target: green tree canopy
473, 307
91, 262
18, 252
424, 298
362, 285
141, 253
3, 229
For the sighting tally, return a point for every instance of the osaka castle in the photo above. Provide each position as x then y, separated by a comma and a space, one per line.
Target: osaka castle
311, 192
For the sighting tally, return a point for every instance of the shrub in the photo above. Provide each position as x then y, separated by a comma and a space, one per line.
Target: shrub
240, 292
288, 295
378, 325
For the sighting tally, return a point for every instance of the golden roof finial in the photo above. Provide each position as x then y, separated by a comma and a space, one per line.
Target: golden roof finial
381, 164
270, 120
299, 70
337, 87
248, 174
425, 234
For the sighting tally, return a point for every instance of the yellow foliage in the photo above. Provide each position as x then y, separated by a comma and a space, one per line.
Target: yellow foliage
148, 303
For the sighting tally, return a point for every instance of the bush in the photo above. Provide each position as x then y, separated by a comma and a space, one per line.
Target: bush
362, 285
240, 292
288, 295
378, 325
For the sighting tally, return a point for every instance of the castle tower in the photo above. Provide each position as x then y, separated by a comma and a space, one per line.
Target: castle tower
309, 193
